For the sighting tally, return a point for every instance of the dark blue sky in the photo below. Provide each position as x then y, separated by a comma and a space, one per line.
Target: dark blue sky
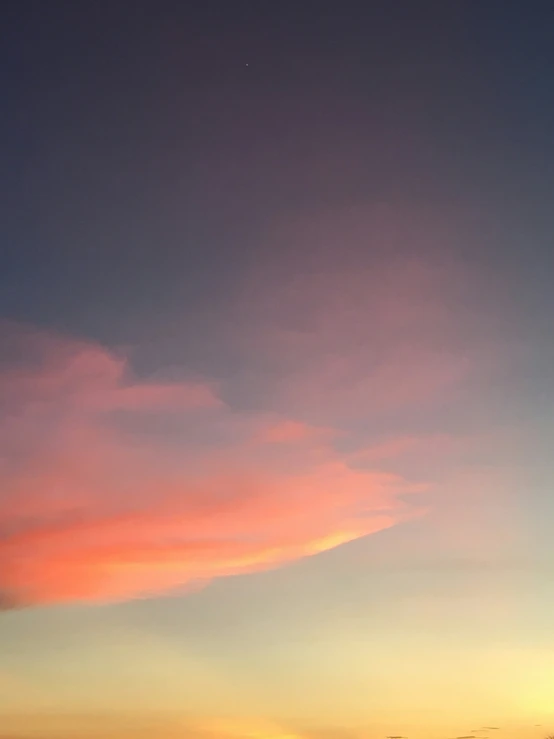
143, 159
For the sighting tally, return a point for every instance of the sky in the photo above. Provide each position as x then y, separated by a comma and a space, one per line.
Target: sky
276, 370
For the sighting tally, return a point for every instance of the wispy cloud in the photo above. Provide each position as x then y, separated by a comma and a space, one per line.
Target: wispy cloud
350, 322
113, 487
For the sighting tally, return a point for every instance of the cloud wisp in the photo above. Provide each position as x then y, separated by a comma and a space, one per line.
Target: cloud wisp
113, 487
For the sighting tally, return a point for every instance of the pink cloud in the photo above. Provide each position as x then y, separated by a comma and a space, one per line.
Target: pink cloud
402, 446
93, 509
290, 432
86, 377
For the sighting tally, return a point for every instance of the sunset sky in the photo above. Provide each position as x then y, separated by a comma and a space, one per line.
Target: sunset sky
277, 370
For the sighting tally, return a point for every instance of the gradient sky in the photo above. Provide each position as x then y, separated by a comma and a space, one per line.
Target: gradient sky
276, 370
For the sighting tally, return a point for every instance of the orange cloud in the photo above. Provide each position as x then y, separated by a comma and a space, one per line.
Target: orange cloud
112, 487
